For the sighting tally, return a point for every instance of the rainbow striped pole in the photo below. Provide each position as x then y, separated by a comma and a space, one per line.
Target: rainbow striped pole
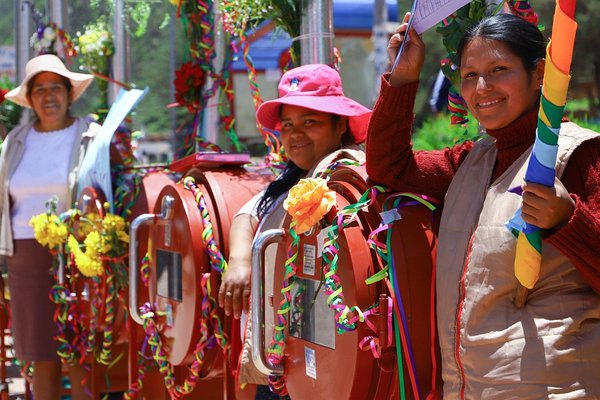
541, 167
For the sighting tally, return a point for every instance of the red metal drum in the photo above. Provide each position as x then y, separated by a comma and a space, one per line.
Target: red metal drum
91, 202
149, 189
320, 363
92, 314
152, 385
127, 337
414, 243
179, 260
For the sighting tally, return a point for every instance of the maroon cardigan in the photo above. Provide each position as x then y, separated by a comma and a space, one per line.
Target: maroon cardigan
392, 162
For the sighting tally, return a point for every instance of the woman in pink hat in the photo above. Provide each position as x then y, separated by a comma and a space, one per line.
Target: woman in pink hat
39, 160
318, 125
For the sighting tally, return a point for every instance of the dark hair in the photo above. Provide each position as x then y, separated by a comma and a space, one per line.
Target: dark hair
347, 136
522, 37
290, 176
66, 81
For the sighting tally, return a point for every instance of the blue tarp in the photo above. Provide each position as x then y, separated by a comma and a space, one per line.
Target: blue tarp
348, 15
358, 14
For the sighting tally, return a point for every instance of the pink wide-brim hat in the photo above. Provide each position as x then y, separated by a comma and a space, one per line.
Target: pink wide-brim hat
316, 87
48, 63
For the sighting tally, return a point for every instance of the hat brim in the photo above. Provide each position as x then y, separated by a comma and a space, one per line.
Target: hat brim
79, 82
268, 113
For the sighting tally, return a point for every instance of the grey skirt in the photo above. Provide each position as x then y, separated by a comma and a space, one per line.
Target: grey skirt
29, 282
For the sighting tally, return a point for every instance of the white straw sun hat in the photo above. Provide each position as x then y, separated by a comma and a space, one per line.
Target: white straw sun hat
48, 63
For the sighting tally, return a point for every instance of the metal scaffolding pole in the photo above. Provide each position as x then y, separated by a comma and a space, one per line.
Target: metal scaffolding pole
22, 34
172, 111
57, 12
316, 32
120, 62
212, 129
379, 37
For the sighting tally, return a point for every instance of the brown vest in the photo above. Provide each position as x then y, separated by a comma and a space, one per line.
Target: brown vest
490, 348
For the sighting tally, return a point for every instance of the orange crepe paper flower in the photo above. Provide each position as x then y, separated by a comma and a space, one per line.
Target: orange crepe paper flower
308, 201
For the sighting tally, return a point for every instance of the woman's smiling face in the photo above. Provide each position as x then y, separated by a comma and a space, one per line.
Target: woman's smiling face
495, 84
50, 99
308, 136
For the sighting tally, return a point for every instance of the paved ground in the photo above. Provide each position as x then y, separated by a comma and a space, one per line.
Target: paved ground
16, 384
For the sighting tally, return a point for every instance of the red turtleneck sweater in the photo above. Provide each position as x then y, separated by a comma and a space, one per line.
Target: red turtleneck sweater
392, 162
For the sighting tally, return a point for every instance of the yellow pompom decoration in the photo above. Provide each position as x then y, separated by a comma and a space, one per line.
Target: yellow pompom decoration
88, 262
84, 229
105, 239
308, 201
49, 230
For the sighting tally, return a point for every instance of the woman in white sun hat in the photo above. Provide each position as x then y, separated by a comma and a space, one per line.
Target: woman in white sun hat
39, 160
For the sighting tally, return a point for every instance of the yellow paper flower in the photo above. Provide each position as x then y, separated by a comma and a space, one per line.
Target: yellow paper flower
87, 262
104, 238
88, 224
49, 230
114, 222
115, 235
308, 201
93, 243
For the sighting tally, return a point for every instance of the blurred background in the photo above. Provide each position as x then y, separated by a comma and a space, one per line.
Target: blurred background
157, 47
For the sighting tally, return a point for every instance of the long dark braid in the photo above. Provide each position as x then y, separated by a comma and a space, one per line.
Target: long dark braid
288, 178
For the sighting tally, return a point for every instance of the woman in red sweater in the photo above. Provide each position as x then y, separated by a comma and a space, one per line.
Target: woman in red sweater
490, 348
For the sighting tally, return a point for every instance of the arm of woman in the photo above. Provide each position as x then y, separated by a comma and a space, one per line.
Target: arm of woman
234, 292
391, 160
576, 233
5, 149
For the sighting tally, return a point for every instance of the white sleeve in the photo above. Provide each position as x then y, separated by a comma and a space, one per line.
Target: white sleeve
251, 206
